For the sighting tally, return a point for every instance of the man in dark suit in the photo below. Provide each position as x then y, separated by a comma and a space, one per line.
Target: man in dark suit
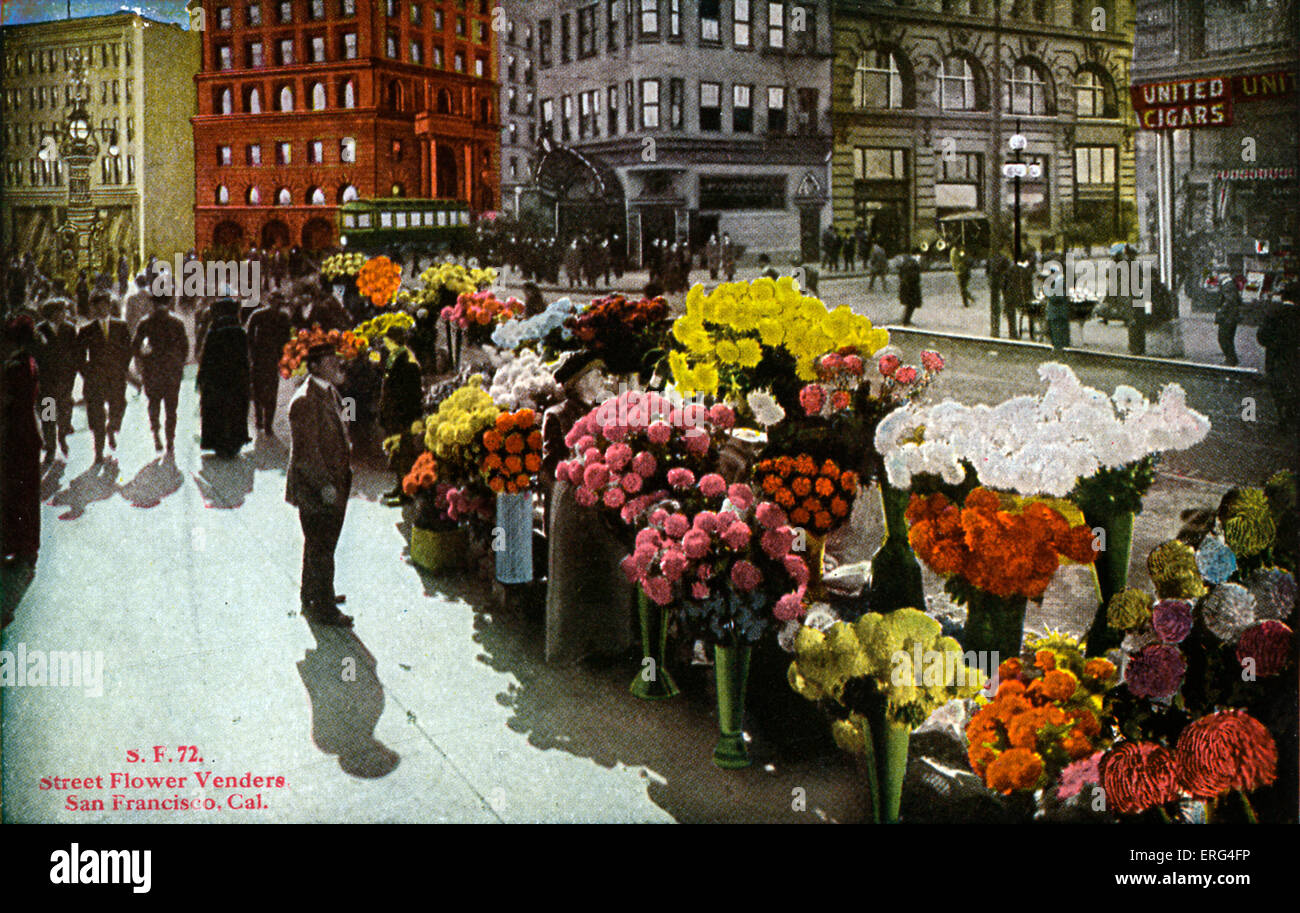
401, 401
104, 346
269, 329
909, 287
56, 358
319, 480
162, 347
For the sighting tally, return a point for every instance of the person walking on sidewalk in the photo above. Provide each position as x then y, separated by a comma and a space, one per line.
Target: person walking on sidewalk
318, 480
909, 287
1015, 295
728, 257
401, 399
224, 382
848, 250
162, 348
996, 273
269, 328
1226, 316
960, 261
56, 357
1279, 334
877, 268
830, 248
104, 347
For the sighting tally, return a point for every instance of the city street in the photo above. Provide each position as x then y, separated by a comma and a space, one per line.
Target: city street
439, 706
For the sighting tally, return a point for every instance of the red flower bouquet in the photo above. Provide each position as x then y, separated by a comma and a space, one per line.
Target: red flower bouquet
621, 331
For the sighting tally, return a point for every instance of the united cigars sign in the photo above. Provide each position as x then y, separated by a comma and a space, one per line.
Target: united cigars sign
1205, 102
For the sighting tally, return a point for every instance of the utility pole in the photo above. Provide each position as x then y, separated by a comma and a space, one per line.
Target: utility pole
994, 168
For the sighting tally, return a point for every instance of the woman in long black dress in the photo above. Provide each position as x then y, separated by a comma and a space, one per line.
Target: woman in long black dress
224, 382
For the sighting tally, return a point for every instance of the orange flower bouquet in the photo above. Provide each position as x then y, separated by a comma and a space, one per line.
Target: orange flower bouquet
998, 552
817, 495
514, 452
347, 343
379, 280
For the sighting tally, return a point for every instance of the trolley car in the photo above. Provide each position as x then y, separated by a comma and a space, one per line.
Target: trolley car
390, 223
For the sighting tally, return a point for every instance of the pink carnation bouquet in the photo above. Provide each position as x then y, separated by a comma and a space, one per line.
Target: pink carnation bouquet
640, 448
731, 564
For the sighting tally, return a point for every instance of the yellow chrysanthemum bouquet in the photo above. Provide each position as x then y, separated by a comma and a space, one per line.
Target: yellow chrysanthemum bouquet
454, 278
746, 336
454, 433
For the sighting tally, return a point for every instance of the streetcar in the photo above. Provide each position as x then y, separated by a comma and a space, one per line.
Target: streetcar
392, 223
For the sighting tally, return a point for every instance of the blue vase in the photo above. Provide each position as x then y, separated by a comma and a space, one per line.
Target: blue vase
512, 540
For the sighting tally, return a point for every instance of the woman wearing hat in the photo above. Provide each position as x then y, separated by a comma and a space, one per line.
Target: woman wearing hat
588, 602
224, 382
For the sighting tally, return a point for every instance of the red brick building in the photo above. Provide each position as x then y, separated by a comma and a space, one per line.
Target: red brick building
305, 104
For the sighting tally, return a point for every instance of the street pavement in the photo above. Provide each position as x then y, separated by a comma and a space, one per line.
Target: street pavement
438, 706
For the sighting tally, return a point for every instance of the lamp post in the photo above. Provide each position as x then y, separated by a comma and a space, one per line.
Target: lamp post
1017, 170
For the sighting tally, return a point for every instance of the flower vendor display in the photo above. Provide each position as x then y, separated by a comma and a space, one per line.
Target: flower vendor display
631, 452
1071, 441
1048, 722
293, 362
437, 544
454, 435
441, 285
546, 331
818, 497
728, 563
997, 552
342, 266
379, 279
524, 382
622, 332
376, 328
478, 313
764, 334
879, 678
513, 447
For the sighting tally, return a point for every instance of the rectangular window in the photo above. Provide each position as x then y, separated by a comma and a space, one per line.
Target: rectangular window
315, 152
548, 118
587, 31
711, 21
675, 19
348, 7
318, 49
254, 14
565, 53
776, 121
566, 115
223, 155
415, 14
650, 104
629, 98
776, 26
283, 153
676, 104
614, 13
253, 51
480, 66
809, 120
225, 58
253, 154
544, 43
286, 51
224, 18
740, 23
316, 9
437, 56
286, 11
649, 19
872, 163
612, 98
742, 109
390, 45
349, 45
584, 114
417, 52
459, 62
710, 106
1094, 165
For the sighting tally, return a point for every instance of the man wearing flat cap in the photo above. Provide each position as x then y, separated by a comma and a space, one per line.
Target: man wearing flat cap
319, 480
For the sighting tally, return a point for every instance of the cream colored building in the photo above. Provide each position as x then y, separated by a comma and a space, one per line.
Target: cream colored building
140, 95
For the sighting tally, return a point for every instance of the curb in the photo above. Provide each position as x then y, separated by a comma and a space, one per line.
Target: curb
1237, 373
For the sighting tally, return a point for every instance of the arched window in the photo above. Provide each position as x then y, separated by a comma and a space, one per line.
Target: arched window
318, 96
316, 196
283, 197
348, 94
254, 198
882, 79
393, 95
347, 149
227, 102
444, 101
286, 98
1029, 89
1094, 93
961, 84
485, 110
223, 195
253, 100
347, 193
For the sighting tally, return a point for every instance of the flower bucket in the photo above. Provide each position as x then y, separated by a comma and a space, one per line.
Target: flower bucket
438, 551
731, 668
653, 681
1111, 570
815, 559
512, 539
895, 573
889, 745
994, 625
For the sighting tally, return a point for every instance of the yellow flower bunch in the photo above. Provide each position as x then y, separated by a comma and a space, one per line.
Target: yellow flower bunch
726, 332
452, 431
340, 265
902, 654
453, 276
376, 328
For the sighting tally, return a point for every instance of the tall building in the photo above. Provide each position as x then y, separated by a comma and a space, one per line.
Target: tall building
518, 79
1215, 88
677, 121
306, 104
137, 94
926, 96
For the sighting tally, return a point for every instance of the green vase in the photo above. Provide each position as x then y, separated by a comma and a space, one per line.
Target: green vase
731, 668
1111, 570
653, 681
994, 624
889, 743
895, 573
